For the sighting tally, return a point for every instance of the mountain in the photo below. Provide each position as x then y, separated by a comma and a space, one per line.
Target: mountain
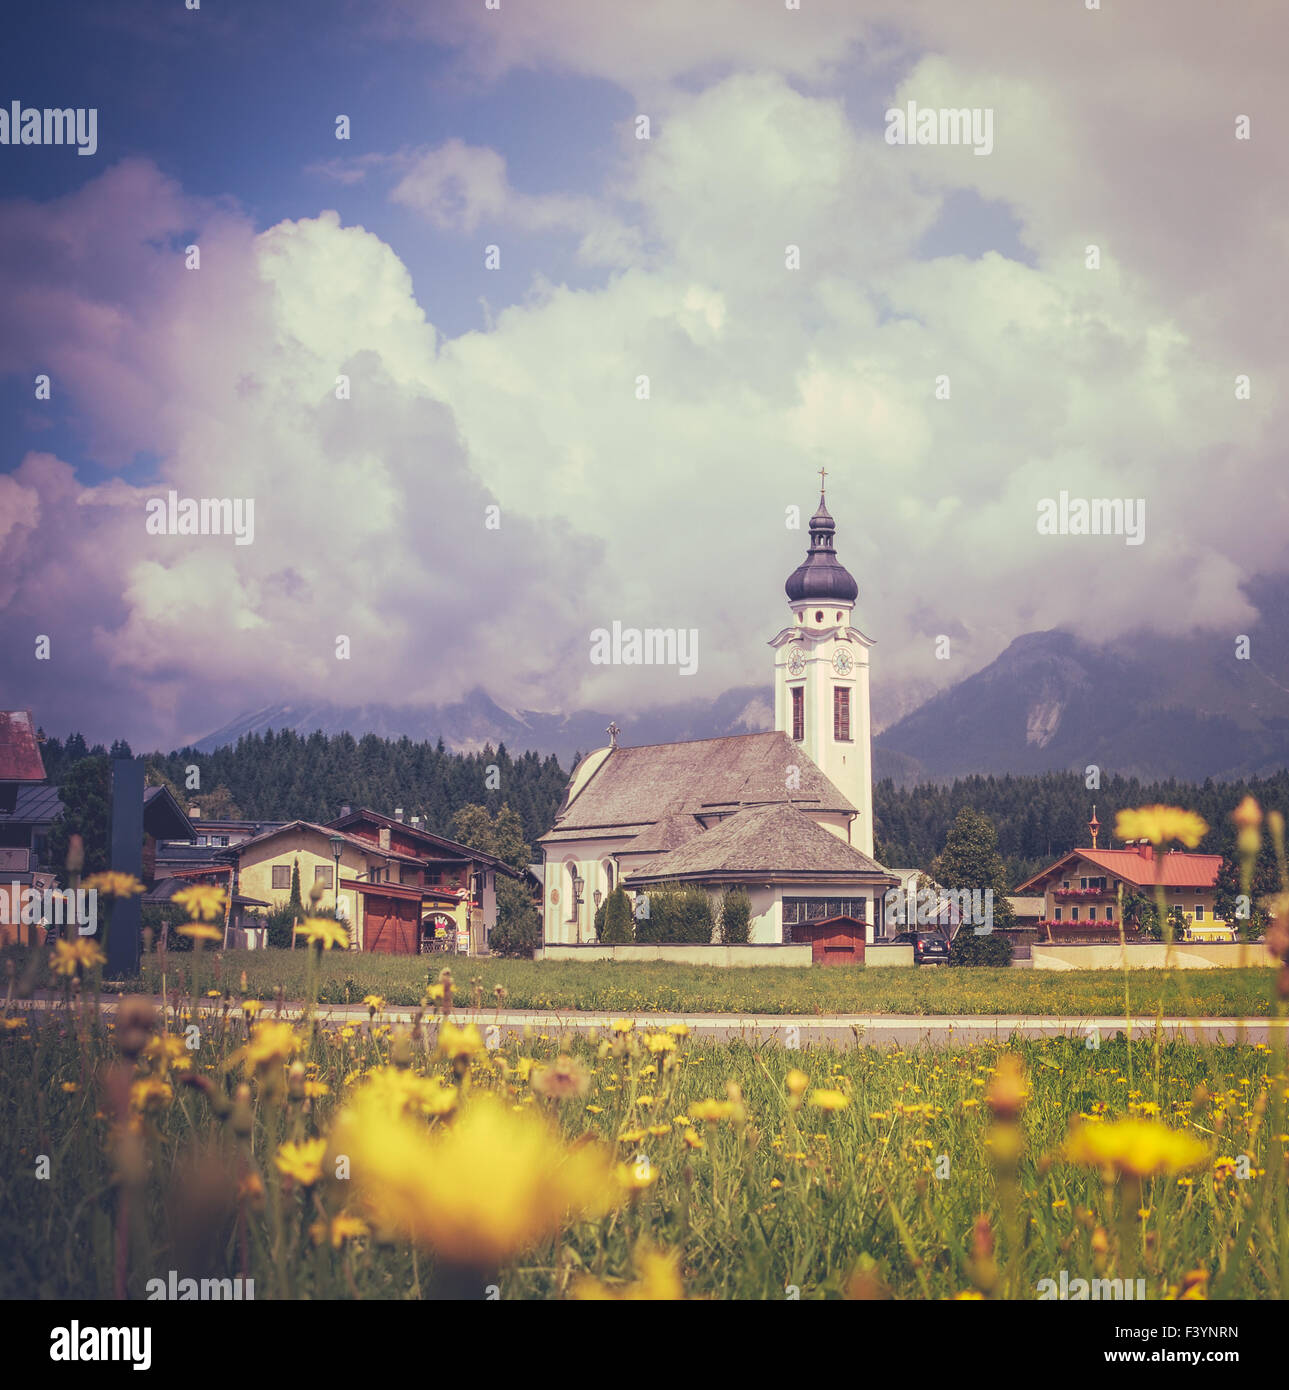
468, 724
1144, 705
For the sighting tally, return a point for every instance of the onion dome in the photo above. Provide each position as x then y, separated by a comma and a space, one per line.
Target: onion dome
821, 577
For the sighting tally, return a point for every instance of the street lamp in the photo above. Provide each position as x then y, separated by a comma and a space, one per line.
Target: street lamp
337, 847
578, 884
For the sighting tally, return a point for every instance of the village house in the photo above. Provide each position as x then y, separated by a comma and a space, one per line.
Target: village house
401, 889
1080, 891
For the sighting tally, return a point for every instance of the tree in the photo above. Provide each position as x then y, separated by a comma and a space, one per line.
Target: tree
970, 860
619, 925
295, 903
519, 925
736, 917
86, 794
1249, 917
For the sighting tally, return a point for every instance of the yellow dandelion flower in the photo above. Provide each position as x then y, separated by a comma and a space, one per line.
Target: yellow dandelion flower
637, 1176
203, 902
1161, 825
72, 956
1139, 1148
523, 1182
459, 1044
302, 1162
711, 1111
828, 1100
678, 1030
200, 931
111, 884
796, 1082
150, 1093
325, 932
657, 1281
623, 1025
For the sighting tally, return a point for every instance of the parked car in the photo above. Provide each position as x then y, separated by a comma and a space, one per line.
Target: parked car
929, 947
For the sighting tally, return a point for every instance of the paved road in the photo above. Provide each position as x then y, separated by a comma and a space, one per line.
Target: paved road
905, 1030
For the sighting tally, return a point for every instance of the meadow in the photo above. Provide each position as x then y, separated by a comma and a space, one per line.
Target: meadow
346, 977
363, 1161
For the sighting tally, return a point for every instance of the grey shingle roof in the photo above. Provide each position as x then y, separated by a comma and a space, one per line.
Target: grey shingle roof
34, 804
669, 833
779, 841
637, 787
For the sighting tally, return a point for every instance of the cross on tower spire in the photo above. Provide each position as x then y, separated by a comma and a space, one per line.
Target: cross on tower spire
822, 475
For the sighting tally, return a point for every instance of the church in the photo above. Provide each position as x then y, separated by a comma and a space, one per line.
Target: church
786, 815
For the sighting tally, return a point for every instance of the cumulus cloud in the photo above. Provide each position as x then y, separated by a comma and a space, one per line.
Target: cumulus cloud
669, 507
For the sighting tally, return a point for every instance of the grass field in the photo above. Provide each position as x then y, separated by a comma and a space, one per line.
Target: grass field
662, 986
395, 1165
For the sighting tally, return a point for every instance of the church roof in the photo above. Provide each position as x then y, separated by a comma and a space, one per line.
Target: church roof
634, 789
667, 834
780, 841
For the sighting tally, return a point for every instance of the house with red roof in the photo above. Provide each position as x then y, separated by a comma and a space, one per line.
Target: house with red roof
1080, 891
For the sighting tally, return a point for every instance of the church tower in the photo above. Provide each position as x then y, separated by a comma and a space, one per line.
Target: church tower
821, 674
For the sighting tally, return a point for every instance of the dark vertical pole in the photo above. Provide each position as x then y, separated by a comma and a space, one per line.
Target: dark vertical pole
127, 858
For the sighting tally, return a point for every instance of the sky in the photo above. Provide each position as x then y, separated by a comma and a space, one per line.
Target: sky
591, 377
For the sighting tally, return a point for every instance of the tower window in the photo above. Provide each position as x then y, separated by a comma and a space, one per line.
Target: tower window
798, 713
819, 617
841, 713
839, 617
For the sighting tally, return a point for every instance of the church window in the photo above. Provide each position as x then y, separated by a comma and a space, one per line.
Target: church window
608, 875
841, 713
839, 617
819, 617
798, 713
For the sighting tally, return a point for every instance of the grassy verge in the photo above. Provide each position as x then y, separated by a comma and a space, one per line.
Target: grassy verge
658, 986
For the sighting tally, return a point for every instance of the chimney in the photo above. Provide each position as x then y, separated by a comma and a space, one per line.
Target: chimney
398, 814
416, 821
194, 812
1145, 849
344, 810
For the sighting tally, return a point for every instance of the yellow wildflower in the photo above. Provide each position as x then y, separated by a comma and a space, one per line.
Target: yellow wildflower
150, 1093
658, 1280
324, 931
459, 1044
1161, 824
1139, 1148
203, 902
302, 1162
713, 1111
200, 931
113, 885
72, 956
829, 1100
494, 1182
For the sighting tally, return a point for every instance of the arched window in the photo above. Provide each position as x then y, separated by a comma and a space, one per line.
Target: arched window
607, 866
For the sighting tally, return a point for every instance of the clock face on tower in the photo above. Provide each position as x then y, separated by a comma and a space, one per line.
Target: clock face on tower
842, 661
796, 661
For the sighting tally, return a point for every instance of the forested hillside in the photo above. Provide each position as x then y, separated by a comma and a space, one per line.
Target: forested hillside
1040, 817
280, 776
284, 776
